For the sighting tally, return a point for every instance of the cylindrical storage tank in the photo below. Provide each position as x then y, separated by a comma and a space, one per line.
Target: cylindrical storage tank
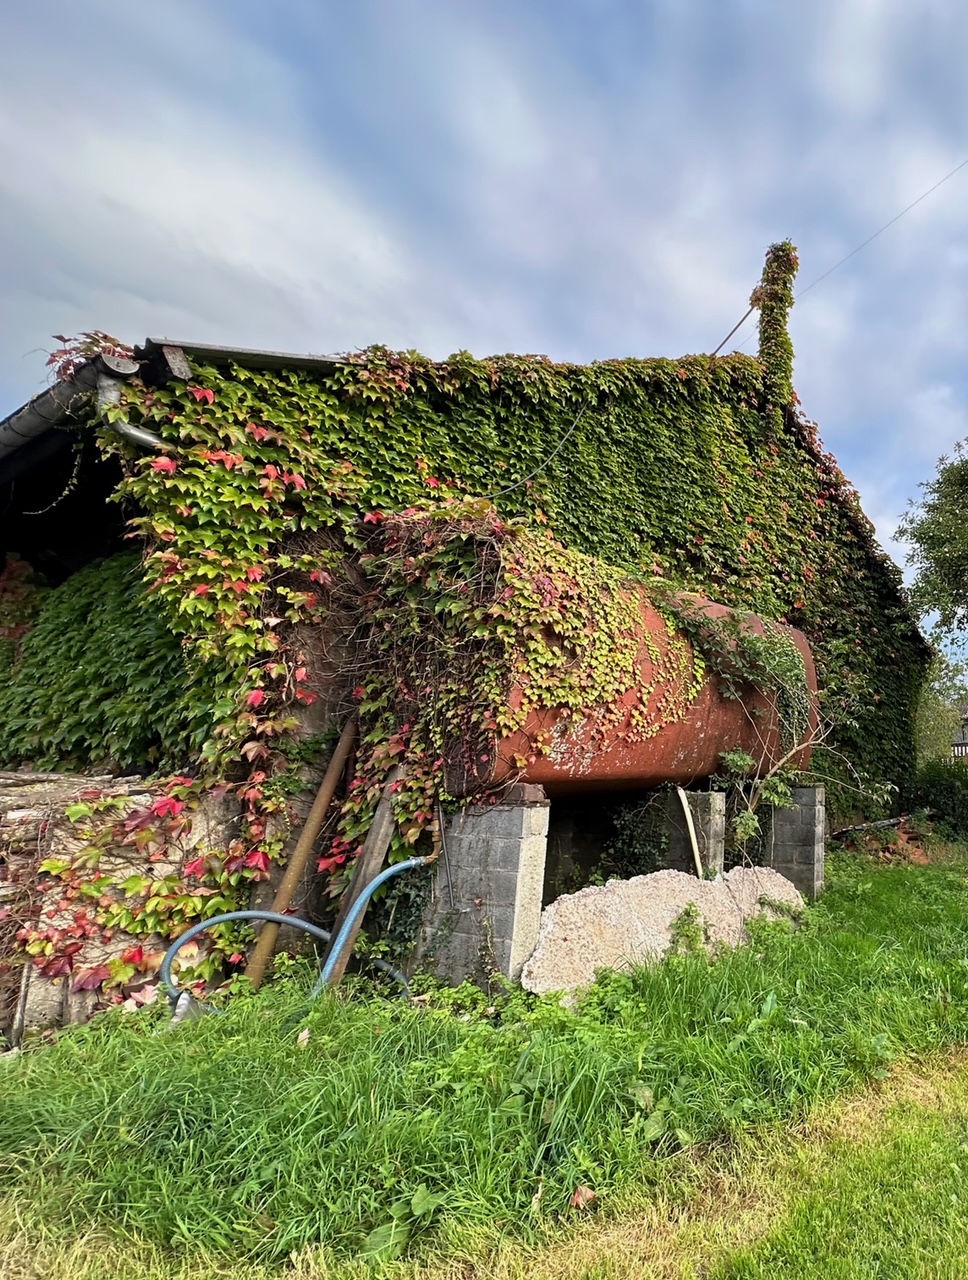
685, 738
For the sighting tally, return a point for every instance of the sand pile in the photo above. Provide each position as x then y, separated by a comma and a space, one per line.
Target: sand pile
629, 922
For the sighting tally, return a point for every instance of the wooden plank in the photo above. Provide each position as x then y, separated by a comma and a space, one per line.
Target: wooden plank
369, 864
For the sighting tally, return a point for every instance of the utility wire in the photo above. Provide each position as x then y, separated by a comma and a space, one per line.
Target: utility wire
896, 217
733, 330
541, 465
869, 240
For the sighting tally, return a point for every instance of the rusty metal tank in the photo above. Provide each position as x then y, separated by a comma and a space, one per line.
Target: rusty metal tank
606, 753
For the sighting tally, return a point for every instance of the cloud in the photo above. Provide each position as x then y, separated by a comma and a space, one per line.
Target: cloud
585, 180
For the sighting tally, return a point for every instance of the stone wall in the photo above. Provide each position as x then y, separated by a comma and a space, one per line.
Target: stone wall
59, 924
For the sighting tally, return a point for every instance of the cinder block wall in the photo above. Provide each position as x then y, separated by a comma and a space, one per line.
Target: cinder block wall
708, 810
794, 840
486, 905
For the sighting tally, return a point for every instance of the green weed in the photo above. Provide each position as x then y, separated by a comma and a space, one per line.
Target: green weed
471, 1118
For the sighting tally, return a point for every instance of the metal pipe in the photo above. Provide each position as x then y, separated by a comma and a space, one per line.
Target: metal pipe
255, 969
109, 393
137, 435
103, 375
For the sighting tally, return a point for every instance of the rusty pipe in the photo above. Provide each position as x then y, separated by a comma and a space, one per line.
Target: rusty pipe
256, 968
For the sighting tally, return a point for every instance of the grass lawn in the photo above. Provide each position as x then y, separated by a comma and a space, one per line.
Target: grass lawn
686, 1096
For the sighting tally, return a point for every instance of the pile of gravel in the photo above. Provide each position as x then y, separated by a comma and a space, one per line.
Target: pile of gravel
629, 922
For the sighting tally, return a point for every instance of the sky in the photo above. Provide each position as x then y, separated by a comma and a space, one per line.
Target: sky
584, 178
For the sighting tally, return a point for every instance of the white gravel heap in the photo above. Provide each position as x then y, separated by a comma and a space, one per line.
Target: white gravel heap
626, 923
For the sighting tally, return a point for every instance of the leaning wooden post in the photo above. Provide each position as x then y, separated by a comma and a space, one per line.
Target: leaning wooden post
256, 968
369, 864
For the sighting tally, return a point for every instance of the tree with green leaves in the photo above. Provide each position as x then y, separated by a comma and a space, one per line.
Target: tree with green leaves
939, 708
936, 526
936, 529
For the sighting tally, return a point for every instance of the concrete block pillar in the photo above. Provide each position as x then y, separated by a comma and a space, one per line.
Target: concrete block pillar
486, 904
794, 840
709, 818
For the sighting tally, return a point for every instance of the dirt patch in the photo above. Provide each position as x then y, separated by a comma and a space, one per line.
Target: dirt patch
898, 845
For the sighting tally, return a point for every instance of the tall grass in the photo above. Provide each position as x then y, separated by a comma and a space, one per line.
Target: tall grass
393, 1123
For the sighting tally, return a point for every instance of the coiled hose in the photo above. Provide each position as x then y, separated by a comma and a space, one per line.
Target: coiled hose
359, 906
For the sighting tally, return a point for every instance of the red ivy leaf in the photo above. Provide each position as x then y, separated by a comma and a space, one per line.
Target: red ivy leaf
257, 858
197, 868
330, 864
91, 979
167, 807
256, 698
57, 966
167, 465
202, 393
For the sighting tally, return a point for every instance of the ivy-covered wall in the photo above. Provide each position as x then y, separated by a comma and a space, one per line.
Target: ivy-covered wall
99, 679
698, 471
669, 467
477, 521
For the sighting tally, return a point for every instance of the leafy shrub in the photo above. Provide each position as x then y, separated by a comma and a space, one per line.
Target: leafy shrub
101, 681
941, 787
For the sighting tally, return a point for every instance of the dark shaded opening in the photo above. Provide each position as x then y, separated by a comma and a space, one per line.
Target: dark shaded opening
594, 836
55, 508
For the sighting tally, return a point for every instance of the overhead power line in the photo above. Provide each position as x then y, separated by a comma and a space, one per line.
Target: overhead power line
813, 283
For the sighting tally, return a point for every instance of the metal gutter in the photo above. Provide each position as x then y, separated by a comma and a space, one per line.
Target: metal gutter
60, 401
244, 357
103, 376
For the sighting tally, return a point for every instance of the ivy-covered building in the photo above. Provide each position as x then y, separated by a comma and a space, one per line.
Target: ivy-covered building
700, 472
178, 521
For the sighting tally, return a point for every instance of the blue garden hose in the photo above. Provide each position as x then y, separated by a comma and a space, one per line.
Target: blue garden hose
359, 906
355, 913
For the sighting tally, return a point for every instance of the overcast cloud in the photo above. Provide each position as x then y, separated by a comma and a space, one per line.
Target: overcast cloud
586, 178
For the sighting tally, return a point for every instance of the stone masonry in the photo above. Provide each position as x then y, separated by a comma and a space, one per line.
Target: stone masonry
486, 907
33, 827
794, 840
